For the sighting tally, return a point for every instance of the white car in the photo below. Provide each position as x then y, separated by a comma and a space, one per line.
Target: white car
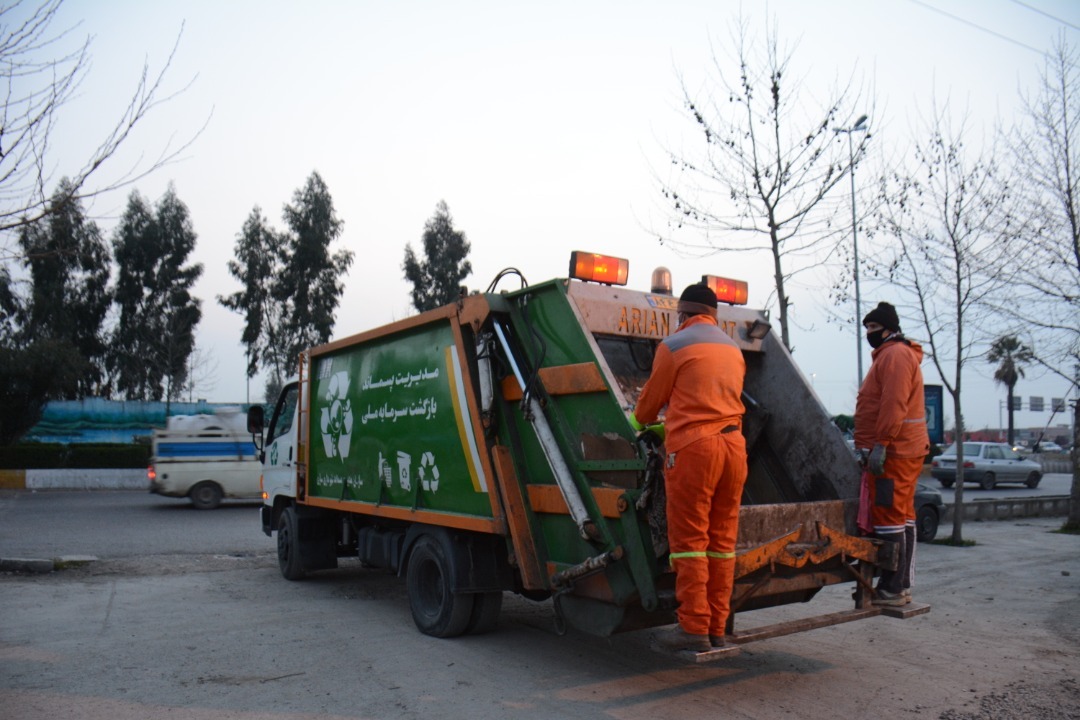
1048, 446
988, 464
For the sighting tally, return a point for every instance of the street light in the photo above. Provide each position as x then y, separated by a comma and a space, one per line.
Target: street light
859, 126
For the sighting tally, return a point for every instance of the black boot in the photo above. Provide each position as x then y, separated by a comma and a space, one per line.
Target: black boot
909, 565
890, 587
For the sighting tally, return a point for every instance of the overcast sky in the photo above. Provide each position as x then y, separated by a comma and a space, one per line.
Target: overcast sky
542, 126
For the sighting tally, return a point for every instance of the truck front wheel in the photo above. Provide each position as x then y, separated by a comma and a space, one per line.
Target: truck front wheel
436, 609
288, 545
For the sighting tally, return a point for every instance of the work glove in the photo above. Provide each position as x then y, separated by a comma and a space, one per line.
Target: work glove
876, 463
656, 428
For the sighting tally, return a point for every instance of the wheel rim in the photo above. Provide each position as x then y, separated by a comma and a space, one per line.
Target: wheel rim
432, 588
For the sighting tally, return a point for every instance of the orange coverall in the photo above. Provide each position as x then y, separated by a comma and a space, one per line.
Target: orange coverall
891, 411
698, 373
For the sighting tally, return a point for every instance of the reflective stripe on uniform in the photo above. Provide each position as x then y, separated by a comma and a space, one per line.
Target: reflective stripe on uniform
707, 553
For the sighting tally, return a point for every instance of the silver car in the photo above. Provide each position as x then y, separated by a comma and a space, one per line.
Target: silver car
988, 464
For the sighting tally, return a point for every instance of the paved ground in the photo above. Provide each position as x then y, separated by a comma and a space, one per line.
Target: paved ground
216, 636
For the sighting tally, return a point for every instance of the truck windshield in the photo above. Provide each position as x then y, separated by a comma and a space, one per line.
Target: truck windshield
284, 411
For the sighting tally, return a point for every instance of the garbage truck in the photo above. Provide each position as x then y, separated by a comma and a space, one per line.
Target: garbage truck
485, 447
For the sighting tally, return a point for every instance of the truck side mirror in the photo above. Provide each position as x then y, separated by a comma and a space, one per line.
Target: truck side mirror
255, 420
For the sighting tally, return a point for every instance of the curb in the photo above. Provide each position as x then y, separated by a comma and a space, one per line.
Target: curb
74, 479
1005, 509
40, 566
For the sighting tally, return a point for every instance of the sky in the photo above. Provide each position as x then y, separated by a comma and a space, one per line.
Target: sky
542, 125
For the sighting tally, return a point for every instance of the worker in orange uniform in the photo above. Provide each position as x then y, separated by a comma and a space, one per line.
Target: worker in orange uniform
890, 430
698, 373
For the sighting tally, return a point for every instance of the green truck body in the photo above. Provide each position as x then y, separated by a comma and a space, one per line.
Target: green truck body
485, 447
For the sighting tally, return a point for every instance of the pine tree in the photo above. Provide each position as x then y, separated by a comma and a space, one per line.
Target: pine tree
436, 280
310, 284
69, 264
155, 334
259, 259
291, 280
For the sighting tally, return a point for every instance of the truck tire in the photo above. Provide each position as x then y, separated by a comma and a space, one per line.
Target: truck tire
288, 545
436, 609
206, 495
485, 612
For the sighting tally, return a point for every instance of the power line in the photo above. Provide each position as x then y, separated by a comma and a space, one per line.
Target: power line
978, 27
1046, 14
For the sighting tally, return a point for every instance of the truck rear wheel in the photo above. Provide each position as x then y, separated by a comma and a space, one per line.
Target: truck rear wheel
288, 545
436, 609
206, 495
485, 612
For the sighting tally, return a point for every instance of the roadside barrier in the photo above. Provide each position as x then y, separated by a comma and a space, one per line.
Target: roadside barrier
75, 479
1007, 509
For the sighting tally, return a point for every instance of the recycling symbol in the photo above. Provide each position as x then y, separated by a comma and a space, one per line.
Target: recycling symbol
428, 472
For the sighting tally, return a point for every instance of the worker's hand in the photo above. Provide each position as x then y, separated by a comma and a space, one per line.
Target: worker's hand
876, 463
638, 427
658, 429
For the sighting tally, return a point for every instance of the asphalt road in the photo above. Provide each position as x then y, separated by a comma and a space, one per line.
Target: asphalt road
221, 636
123, 523
1051, 484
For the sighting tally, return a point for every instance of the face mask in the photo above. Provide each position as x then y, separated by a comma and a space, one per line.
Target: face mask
876, 338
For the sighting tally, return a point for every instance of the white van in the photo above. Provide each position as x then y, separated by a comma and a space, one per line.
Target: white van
205, 458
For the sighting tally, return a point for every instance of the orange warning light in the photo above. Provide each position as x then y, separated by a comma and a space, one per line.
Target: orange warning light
732, 292
604, 269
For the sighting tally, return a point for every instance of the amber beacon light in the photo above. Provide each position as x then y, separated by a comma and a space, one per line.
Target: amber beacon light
732, 292
604, 269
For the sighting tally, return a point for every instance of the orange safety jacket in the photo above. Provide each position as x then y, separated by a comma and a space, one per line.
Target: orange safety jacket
891, 407
698, 373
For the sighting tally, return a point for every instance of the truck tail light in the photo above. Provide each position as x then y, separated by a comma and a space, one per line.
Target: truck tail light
151, 474
732, 292
605, 269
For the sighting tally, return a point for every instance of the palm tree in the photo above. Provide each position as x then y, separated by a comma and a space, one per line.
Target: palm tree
1011, 355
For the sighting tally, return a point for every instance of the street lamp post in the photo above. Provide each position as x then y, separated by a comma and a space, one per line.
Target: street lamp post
859, 126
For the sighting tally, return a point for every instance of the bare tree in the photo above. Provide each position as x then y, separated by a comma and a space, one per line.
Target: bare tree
951, 233
41, 70
768, 164
1046, 298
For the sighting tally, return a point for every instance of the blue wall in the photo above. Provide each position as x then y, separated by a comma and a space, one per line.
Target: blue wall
95, 420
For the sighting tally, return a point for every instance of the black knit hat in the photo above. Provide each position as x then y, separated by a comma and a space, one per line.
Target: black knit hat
700, 294
698, 299
885, 316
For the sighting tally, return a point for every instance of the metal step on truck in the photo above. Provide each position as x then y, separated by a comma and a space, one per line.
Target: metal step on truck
485, 447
